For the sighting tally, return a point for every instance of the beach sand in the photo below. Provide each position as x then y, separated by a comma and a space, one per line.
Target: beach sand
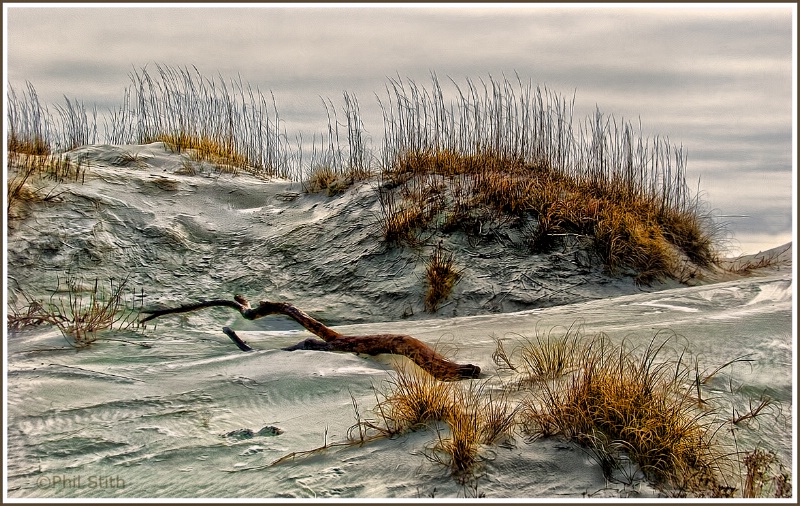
157, 417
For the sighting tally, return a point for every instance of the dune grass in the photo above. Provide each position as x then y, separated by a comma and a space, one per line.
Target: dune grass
335, 165
414, 400
224, 121
637, 403
507, 154
474, 193
472, 156
550, 356
199, 149
36, 177
441, 276
623, 405
33, 130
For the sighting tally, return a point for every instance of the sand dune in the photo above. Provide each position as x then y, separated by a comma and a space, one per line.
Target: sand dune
159, 418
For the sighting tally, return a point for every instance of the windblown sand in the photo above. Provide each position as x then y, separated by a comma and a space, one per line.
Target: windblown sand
160, 418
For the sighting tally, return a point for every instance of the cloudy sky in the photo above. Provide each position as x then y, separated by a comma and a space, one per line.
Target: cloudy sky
718, 79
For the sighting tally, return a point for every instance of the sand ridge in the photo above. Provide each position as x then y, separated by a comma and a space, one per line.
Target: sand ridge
211, 234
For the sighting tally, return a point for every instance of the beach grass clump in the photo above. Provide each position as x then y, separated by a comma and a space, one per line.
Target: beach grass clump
28, 146
226, 122
477, 417
459, 451
415, 399
222, 155
692, 232
21, 172
33, 130
550, 356
337, 165
507, 154
631, 233
474, 416
29, 124
619, 400
441, 276
324, 178
35, 177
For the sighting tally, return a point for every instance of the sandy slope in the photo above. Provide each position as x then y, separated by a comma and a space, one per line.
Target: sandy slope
207, 235
157, 417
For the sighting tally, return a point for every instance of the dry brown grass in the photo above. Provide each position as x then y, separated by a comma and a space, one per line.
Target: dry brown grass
550, 356
766, 476
747, 264
28, 146
639, 403
622, 404
324, 178
202, 148
633, 232
415, 400
441, 275
34, 177
459, 451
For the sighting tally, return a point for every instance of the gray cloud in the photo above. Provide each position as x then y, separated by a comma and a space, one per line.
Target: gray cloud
718, 81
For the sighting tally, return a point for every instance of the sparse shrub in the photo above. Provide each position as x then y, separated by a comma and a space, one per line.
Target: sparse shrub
81, 314
766, 476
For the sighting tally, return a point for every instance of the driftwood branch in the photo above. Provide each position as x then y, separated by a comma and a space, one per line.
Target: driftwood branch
398, 344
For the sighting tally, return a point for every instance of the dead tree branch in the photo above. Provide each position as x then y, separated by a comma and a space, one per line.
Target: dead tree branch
397, 344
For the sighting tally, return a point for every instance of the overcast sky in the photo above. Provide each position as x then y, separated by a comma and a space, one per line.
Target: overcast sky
716, 79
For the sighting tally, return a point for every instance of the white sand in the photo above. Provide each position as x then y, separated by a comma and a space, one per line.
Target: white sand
156, 417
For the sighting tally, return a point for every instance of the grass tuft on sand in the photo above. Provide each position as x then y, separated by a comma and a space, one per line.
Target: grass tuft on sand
473, 415
441, 276
35, 178
82, 313
631, 232
637, 403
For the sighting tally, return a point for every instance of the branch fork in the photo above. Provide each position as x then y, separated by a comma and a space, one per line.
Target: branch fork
374, 344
